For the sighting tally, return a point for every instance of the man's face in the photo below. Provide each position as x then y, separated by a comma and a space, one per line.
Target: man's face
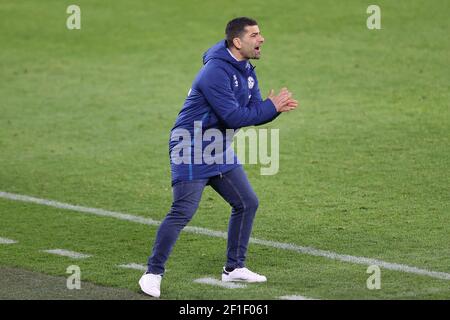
250, 43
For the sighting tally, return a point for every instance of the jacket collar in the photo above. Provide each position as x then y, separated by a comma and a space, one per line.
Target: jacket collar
220, 51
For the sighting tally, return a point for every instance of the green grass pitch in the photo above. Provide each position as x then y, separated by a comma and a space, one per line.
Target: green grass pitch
364, 161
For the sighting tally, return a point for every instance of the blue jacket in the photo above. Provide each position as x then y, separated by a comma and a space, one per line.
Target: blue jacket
224, 95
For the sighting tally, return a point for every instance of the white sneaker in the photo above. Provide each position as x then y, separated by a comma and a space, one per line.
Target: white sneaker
242, 274
151, 284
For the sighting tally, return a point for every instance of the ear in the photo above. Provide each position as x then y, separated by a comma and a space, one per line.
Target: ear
237, 43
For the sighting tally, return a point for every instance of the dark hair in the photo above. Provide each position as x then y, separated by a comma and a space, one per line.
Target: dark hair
236, 27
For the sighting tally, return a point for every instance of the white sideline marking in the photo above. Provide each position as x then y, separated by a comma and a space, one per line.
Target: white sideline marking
215, 282
220, 234
67, 253
134, 266
295, 298
7, 241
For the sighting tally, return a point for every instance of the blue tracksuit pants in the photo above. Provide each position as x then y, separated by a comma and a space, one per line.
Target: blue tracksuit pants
235, 188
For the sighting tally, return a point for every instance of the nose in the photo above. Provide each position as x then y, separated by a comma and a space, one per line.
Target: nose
261, 39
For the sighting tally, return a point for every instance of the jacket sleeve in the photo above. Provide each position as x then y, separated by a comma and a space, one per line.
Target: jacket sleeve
256, 100
216, 87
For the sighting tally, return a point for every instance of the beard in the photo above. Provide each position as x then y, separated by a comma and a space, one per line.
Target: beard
253, 53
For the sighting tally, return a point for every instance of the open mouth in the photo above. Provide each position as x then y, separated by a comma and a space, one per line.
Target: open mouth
258, 49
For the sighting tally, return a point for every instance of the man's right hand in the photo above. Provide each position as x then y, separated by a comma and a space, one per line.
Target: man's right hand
283, 102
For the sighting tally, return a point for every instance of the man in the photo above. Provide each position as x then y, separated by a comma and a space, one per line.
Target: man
224, 95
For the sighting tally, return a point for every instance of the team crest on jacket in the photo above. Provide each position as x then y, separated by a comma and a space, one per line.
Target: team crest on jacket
251, 82
236, 83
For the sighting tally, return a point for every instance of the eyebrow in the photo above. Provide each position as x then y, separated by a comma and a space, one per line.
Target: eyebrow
254, 33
